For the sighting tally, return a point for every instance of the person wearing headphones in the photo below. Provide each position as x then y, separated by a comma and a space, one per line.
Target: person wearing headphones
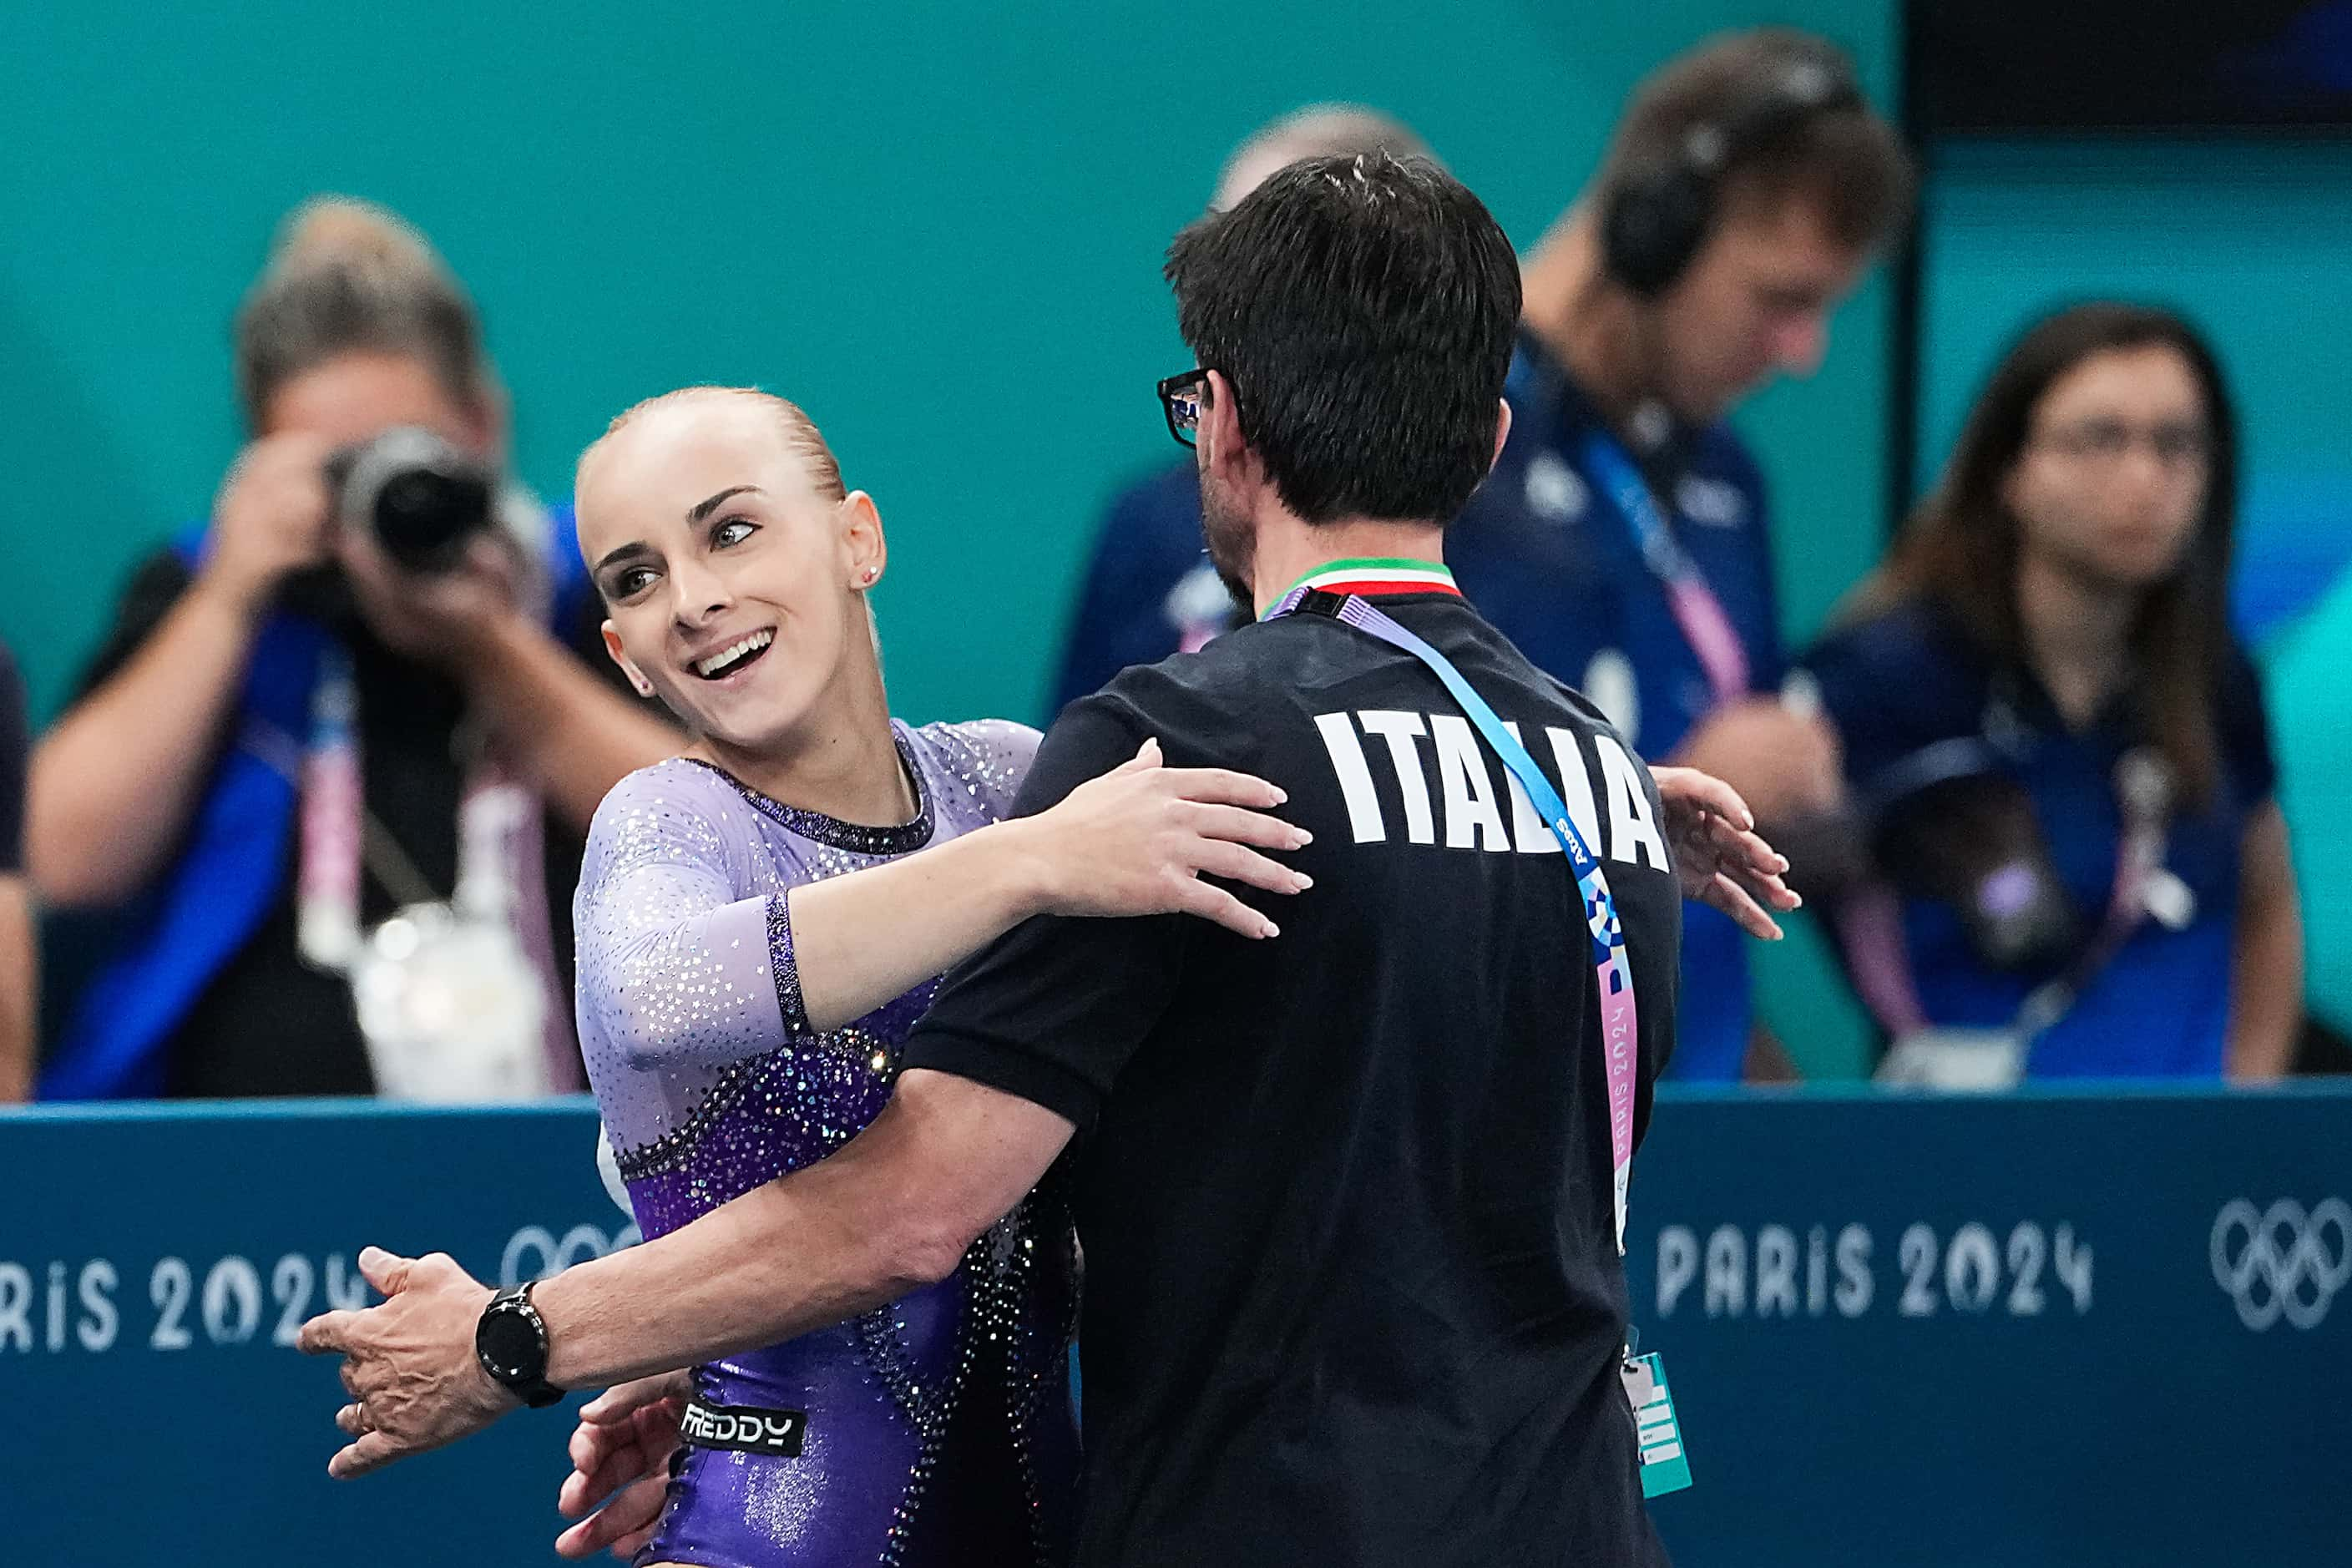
1622, 541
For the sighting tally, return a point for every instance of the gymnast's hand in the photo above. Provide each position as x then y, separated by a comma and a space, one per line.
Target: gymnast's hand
409, 1363
1719, 857
620, 1455
1137, 840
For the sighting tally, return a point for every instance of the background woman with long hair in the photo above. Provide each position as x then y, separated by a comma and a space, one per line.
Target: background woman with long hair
2056, 747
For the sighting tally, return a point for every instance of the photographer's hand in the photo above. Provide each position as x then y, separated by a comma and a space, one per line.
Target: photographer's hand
272, 518
451, 619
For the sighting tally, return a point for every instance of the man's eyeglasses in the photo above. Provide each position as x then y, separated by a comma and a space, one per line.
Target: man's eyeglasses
1181, 398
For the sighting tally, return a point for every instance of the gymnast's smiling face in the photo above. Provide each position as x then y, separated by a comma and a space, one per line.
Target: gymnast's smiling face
732, 565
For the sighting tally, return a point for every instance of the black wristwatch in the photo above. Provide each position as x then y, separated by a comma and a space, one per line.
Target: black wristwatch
510, 1342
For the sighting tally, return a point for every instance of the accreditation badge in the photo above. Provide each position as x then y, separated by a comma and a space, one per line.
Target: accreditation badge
451, 1009
1657, 1431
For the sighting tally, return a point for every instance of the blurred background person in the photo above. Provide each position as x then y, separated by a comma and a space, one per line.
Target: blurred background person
351, 694
17, 970
1622, 541
1149, 589
2057, 748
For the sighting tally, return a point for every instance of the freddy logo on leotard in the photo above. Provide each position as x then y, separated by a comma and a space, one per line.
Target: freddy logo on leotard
777, 1433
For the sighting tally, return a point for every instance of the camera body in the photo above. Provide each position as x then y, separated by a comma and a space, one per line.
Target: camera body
423, 499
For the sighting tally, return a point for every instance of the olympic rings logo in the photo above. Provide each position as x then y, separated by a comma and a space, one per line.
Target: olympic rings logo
2280, 1262
534, 1252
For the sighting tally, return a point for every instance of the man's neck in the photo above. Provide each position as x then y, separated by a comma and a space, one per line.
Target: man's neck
842, 760
1289, 550
1588, 323
2077, 634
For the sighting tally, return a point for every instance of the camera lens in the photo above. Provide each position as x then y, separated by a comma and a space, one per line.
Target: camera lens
422, 516
421, 497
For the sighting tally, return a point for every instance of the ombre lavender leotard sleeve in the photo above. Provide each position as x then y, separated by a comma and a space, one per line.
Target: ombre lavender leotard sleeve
685, 951
711, 1083
677, 968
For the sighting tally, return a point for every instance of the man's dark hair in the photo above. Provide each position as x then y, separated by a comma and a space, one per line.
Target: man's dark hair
1362, 307
1848, 164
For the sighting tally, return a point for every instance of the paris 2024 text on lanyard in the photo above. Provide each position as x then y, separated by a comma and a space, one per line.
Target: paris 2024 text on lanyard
1342, 591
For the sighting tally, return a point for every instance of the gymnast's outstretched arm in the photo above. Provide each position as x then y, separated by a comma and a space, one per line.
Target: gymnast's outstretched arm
657, 910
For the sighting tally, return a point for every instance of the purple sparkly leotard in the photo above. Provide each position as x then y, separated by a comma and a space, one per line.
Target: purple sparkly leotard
939, 1429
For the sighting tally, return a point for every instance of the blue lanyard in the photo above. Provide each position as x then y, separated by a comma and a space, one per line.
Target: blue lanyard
1705, 625
1605, 459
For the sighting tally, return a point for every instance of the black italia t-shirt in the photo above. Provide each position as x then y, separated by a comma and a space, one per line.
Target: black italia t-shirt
1352, 1291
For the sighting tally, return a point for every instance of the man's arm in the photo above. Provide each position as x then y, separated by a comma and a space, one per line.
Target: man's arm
893, 1211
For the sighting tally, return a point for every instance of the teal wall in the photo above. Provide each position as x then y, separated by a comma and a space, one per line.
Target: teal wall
938, 228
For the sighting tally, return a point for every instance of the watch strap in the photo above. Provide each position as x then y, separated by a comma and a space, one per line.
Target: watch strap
527, 1382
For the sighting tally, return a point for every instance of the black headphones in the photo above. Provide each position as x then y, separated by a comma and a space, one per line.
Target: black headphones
1655, 221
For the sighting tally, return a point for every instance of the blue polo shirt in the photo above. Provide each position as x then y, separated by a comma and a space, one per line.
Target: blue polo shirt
1912, 677
1545, 556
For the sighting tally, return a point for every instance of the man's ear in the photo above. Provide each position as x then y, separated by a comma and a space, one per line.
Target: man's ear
637, 676
1502, 435
1224, 451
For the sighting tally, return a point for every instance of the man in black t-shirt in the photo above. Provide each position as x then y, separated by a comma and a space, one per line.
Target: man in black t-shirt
1353, 1288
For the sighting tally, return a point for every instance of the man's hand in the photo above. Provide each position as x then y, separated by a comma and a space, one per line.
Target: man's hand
409, 1363
449, 618
270, 519
1718, 859
620, 1456
1783, 760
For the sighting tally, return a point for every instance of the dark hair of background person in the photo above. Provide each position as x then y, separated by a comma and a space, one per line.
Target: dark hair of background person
348, 277
1363, 310
1848, 164
1962, 545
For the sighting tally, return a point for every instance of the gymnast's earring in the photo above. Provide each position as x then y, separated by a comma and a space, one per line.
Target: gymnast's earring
867, 581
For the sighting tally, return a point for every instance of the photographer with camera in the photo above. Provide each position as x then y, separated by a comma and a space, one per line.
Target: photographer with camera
350, 698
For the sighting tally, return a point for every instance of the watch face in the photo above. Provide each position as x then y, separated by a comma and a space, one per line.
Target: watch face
510, 1343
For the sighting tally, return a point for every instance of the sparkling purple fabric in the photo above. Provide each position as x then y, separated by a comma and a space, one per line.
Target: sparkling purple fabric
940, 1429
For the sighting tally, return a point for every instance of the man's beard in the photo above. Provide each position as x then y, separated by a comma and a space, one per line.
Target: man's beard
1232, 545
